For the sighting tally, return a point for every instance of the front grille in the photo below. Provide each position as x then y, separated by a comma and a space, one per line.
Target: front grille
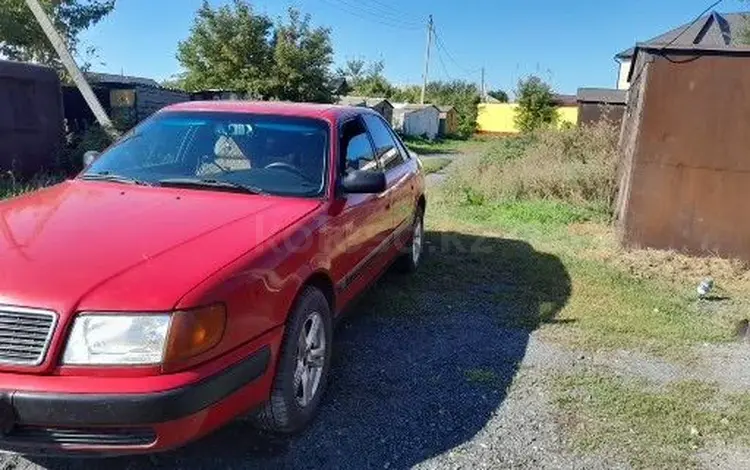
25, 335
30, 435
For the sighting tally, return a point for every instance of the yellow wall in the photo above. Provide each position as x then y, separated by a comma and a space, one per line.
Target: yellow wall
499, 117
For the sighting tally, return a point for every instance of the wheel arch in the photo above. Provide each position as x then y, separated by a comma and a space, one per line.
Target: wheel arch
322, 281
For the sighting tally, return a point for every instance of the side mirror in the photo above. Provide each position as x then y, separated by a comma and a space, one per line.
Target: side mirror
89, 157
364, 182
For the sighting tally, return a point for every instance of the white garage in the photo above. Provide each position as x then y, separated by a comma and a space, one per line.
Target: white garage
416, 119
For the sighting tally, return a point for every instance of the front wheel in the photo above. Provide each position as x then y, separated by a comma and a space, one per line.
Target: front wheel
409, 260
304, 362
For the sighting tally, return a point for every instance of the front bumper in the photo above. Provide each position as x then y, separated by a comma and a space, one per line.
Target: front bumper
114, 423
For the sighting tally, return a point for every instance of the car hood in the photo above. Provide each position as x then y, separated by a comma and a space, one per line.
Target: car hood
84, 245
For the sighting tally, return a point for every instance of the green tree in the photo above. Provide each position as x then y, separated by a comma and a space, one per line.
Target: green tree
462, 95
366, 79
408, 94
301, 60
536, 106
228, 48
175, 82
354, 71
21, 37
499, 95
234, 48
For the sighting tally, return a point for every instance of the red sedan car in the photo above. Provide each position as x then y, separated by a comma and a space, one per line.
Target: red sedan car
193, 273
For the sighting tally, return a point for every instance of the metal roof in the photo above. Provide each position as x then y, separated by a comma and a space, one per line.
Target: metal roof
602, 95
109, 78
714, 29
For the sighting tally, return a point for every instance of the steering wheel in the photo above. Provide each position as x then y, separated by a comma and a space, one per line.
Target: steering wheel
287, 166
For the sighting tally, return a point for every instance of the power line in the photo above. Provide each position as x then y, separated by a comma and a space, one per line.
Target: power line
711, 7
391, 10
441, 47
371, 15
442, 65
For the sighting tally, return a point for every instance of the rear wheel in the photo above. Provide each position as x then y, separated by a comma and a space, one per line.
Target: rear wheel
304, 363
412, 255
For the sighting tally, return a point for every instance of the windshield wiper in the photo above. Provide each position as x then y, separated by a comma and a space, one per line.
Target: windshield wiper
210, 184
107, 176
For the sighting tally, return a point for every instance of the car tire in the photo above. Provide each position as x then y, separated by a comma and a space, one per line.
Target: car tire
412, 254
298, 386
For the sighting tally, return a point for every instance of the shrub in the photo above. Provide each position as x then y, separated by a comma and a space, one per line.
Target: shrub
536, 107
571, 165
93, 138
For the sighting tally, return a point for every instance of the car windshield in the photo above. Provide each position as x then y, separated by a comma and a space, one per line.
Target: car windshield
279, 155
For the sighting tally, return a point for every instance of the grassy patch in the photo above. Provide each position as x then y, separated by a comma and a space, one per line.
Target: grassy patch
652, 427
435, 164
609, 306
422, 146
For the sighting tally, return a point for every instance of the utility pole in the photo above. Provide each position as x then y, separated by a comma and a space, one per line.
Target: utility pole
70, 65
484, 92
427, 58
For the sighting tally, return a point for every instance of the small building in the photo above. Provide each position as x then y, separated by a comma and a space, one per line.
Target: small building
381, 105
684, 174
448, 120
31, 118
562, 101
126, 99
416, 119
595, 104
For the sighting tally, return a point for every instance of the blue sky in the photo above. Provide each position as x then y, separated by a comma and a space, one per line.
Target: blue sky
571, 43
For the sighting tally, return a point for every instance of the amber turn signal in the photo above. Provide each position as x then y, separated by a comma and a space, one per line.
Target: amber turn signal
193, 332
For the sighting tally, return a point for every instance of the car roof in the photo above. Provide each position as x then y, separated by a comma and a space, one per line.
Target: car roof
312, 110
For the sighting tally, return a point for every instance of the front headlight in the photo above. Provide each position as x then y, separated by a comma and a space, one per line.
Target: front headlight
117, 339
143, 339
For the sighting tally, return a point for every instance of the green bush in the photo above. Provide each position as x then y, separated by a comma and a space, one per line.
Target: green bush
575, 166
93, 138
536, 108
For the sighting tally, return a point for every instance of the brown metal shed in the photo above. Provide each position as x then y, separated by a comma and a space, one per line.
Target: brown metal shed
595, 104
685, 169
31, 118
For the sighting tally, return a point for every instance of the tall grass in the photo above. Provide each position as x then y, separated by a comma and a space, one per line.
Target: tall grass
10, 186
573, 165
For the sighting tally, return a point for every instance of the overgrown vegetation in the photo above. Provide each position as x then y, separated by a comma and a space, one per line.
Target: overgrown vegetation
536, 107
574, 165
11, 187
